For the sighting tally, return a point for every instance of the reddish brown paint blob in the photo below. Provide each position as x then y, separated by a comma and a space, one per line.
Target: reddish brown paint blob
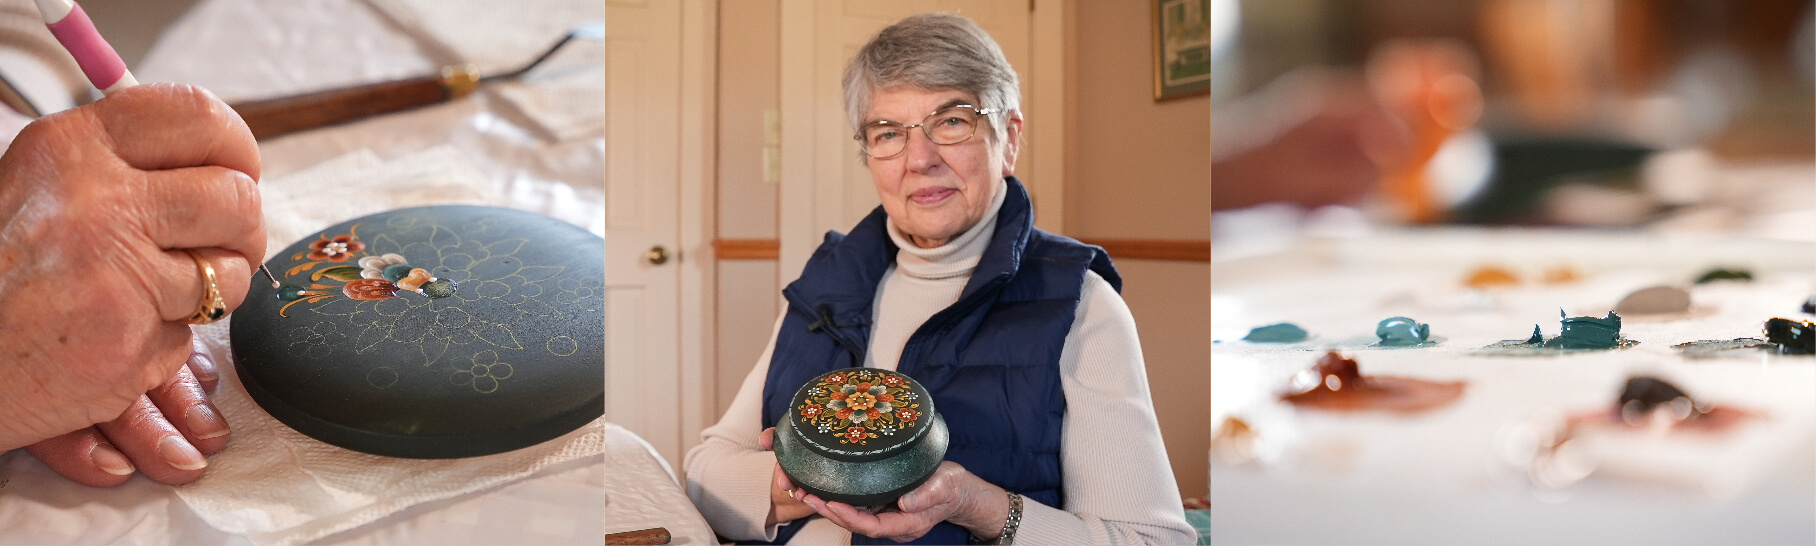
1705, 422
1342, 387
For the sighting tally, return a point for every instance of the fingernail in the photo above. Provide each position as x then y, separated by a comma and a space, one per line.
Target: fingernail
203, 367
204, 422
180, 454
111, 460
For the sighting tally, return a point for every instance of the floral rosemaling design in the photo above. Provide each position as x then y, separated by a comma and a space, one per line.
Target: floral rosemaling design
860, 402
374, 278
446, 287
336, 250
864, 404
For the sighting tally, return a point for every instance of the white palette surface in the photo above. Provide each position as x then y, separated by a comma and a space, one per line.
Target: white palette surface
1454, 475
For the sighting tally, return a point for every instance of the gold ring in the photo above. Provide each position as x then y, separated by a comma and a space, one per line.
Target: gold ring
211, 308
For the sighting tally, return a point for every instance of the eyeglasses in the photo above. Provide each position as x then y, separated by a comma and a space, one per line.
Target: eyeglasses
950, 125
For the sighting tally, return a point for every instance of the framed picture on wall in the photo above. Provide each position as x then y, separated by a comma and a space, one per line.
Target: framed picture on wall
1182, 48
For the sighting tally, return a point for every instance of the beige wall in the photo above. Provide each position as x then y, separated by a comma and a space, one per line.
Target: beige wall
1138, 169
1135, 170
749, 65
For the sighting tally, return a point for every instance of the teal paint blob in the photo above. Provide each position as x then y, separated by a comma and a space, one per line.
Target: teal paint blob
395, 272
1536, 338
1285, 332
1587, 332
290, 293
1398, 331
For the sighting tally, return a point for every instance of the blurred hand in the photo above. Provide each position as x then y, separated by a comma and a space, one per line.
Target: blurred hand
1316, 137
952, 494
97, 204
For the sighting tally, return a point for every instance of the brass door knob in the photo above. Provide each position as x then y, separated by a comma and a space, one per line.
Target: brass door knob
657, 255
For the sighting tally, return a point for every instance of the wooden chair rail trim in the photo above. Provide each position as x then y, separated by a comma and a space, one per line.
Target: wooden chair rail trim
1121, 249
747, 249
1155, 249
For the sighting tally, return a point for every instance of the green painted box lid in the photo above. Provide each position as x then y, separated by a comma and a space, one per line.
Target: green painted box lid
862, 436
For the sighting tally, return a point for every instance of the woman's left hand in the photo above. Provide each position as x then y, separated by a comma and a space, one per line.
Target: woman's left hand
952, 494
165, 435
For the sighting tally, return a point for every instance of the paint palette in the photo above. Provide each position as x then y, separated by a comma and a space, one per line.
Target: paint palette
430, 332
1470, 469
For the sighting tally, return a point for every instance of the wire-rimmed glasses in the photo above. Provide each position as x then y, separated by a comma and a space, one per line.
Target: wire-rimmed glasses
884, 139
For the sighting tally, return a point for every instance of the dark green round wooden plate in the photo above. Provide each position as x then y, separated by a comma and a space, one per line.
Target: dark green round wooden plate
430, 332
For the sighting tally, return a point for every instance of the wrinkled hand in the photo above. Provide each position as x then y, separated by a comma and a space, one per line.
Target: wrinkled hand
164, 434
783, 505
96, 205
952, 494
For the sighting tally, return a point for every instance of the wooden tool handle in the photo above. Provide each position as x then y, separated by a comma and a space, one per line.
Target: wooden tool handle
273, 117
646, 536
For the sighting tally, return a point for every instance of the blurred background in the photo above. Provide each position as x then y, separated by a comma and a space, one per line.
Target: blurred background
1661, 114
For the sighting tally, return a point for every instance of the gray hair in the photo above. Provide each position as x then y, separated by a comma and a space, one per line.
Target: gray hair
934, 51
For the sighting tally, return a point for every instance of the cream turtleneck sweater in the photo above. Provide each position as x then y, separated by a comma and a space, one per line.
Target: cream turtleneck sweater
1119, 487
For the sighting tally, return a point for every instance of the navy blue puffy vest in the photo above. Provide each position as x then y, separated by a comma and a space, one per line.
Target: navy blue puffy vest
991, 360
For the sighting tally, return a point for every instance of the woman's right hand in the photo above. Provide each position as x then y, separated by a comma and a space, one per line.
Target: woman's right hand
96, 205
784, 499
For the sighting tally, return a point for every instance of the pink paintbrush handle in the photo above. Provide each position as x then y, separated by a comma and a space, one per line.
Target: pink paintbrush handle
78, 35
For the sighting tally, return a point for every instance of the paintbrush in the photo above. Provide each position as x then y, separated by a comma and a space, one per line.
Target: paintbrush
99, 62
652, 536
274, 117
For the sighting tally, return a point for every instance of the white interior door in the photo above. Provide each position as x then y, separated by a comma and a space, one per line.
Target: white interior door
824, 187
642, 180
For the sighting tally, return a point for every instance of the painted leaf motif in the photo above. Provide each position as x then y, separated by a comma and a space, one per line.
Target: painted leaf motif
369, 338
539, 273
443, 238
432, 349
495, 334
506, 247
344, 273
384, 244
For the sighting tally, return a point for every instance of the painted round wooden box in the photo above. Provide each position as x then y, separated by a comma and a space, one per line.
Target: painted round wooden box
861, 436
431, 332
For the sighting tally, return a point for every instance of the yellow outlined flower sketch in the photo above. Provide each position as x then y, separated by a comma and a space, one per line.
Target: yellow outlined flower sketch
485, 374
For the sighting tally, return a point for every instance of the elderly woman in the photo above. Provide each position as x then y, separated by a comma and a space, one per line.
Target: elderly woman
1019, 331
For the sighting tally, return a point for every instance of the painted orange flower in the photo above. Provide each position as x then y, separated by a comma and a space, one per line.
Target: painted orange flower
907, 415
861, 399
855, 434
812, 410
337, 250
370, 289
